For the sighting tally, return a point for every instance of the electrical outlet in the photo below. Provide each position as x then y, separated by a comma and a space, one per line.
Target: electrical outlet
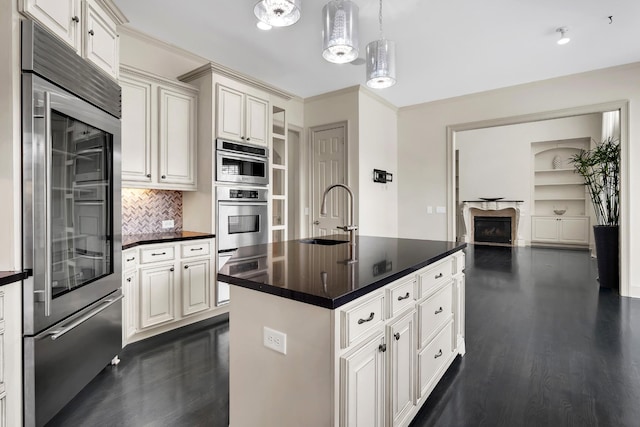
429, 209
275, 340
167, 223
441, 209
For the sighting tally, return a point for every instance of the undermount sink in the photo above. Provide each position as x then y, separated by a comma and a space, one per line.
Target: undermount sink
324, 242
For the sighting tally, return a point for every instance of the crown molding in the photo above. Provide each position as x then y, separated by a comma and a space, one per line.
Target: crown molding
346, 90
114, 10
127, 70
365, 90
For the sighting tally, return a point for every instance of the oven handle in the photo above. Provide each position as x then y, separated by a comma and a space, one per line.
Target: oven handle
234, 155
48, 148
241, 203
105, 304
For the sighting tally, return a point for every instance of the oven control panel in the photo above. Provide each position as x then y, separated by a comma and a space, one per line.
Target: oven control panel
241, 194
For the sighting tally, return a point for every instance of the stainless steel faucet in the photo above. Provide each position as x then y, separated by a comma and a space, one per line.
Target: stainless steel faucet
351, 228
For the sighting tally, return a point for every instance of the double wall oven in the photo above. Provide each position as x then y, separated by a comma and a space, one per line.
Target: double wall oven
71, 223
242, 175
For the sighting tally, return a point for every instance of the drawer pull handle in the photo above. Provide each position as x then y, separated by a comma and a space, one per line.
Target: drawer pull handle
438, 311
368, 319
438, 276
196, 249
397, 336
400, 298
131, 259
382, 347
163, 253
438, 354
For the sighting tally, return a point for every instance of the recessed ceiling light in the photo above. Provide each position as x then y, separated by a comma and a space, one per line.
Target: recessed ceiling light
263, 26
564, 38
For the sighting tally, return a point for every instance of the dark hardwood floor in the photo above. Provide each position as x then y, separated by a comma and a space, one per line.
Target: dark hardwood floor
545, 347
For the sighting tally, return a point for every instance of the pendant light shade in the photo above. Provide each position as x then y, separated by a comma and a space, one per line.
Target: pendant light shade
381, 60
340, 31
381, 64
278, 13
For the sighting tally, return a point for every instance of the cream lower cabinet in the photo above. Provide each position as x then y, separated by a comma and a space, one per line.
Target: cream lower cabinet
159, 144
401, 368
11, 354
167, 286
564, 230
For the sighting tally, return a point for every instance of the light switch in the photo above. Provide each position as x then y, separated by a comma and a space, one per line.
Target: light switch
441, 209
429, 209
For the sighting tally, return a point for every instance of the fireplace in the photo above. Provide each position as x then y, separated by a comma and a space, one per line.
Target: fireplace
492, 229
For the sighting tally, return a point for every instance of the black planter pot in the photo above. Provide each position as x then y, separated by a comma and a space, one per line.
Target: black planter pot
607, 250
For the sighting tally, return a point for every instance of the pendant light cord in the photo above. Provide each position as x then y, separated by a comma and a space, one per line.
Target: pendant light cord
380, 20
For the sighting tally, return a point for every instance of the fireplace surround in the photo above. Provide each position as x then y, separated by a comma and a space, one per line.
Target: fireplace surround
507, 210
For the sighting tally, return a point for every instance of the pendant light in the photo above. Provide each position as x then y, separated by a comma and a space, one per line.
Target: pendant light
278, 13
340, 31
381, 60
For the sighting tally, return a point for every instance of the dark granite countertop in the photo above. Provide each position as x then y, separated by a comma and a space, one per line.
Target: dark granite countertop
7, 277
299, 276
132, 240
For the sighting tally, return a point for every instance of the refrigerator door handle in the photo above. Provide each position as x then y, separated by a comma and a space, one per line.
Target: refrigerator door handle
48, 147
57, 333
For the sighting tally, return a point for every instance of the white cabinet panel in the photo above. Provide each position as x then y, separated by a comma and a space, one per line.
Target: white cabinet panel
61, 17
362, 374
242, 117
433, 357
256, 125
177, 137
196, 285
574, 230
101, 45
565, 230
157, 295
136, 130
401, 338
130, 305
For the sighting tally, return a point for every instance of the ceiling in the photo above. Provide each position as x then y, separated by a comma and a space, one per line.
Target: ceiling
444, 48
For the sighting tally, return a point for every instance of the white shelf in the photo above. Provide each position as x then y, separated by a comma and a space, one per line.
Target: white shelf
278, 197
279, 167
559, 199
278, 135
555, 170
556, 184
278, 227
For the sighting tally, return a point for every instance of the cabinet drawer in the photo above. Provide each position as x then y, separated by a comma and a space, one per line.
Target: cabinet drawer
400, 296
129, 260
433, 358
164, 253
434, 312
358, 321
430, 278
190, 250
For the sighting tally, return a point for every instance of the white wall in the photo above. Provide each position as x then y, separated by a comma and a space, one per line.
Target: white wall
422, 144
496, 161
378, 141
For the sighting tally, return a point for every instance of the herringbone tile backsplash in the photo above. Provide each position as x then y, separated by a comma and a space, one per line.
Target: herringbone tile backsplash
144, 210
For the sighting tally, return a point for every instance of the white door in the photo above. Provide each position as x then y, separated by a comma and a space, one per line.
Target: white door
401, 376
177, 137
62, 17
101, 39
329, 164
136, 130
574, 230
157, 295
362, 394
544, 228
196, 279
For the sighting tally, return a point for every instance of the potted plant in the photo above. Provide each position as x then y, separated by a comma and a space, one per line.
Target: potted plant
600, 168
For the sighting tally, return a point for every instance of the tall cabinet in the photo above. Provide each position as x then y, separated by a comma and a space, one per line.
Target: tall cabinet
560, 203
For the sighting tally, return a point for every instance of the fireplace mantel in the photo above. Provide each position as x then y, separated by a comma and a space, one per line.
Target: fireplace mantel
497, 205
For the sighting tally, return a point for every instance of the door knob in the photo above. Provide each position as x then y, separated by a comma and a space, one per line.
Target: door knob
316, 222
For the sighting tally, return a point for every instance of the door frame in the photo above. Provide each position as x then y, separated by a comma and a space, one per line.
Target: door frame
311, 202
621, 105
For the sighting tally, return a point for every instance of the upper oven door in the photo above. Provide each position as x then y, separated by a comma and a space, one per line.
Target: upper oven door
71, 203
240, 168
241, 224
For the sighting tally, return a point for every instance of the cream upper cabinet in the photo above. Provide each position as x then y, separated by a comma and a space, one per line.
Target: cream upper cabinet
101, 45
61, 17
242, 117
158, 132
87, 26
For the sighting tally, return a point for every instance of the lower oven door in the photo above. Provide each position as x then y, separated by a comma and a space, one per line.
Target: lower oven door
241, 224
63, 359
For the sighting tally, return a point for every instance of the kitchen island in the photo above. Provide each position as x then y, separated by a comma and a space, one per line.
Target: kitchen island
320, 341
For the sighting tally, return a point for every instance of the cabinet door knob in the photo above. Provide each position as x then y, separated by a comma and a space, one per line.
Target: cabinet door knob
382, 348
438, 354
397, 336
91, 32
242, 138
316, 222
129, 279
163, 177
368, 319
186, 266
148, 175
248, 139
172, 269
75, 19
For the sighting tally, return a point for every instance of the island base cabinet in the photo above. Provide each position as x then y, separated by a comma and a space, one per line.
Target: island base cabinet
433, 358
401, 371
362, 373
196, 279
